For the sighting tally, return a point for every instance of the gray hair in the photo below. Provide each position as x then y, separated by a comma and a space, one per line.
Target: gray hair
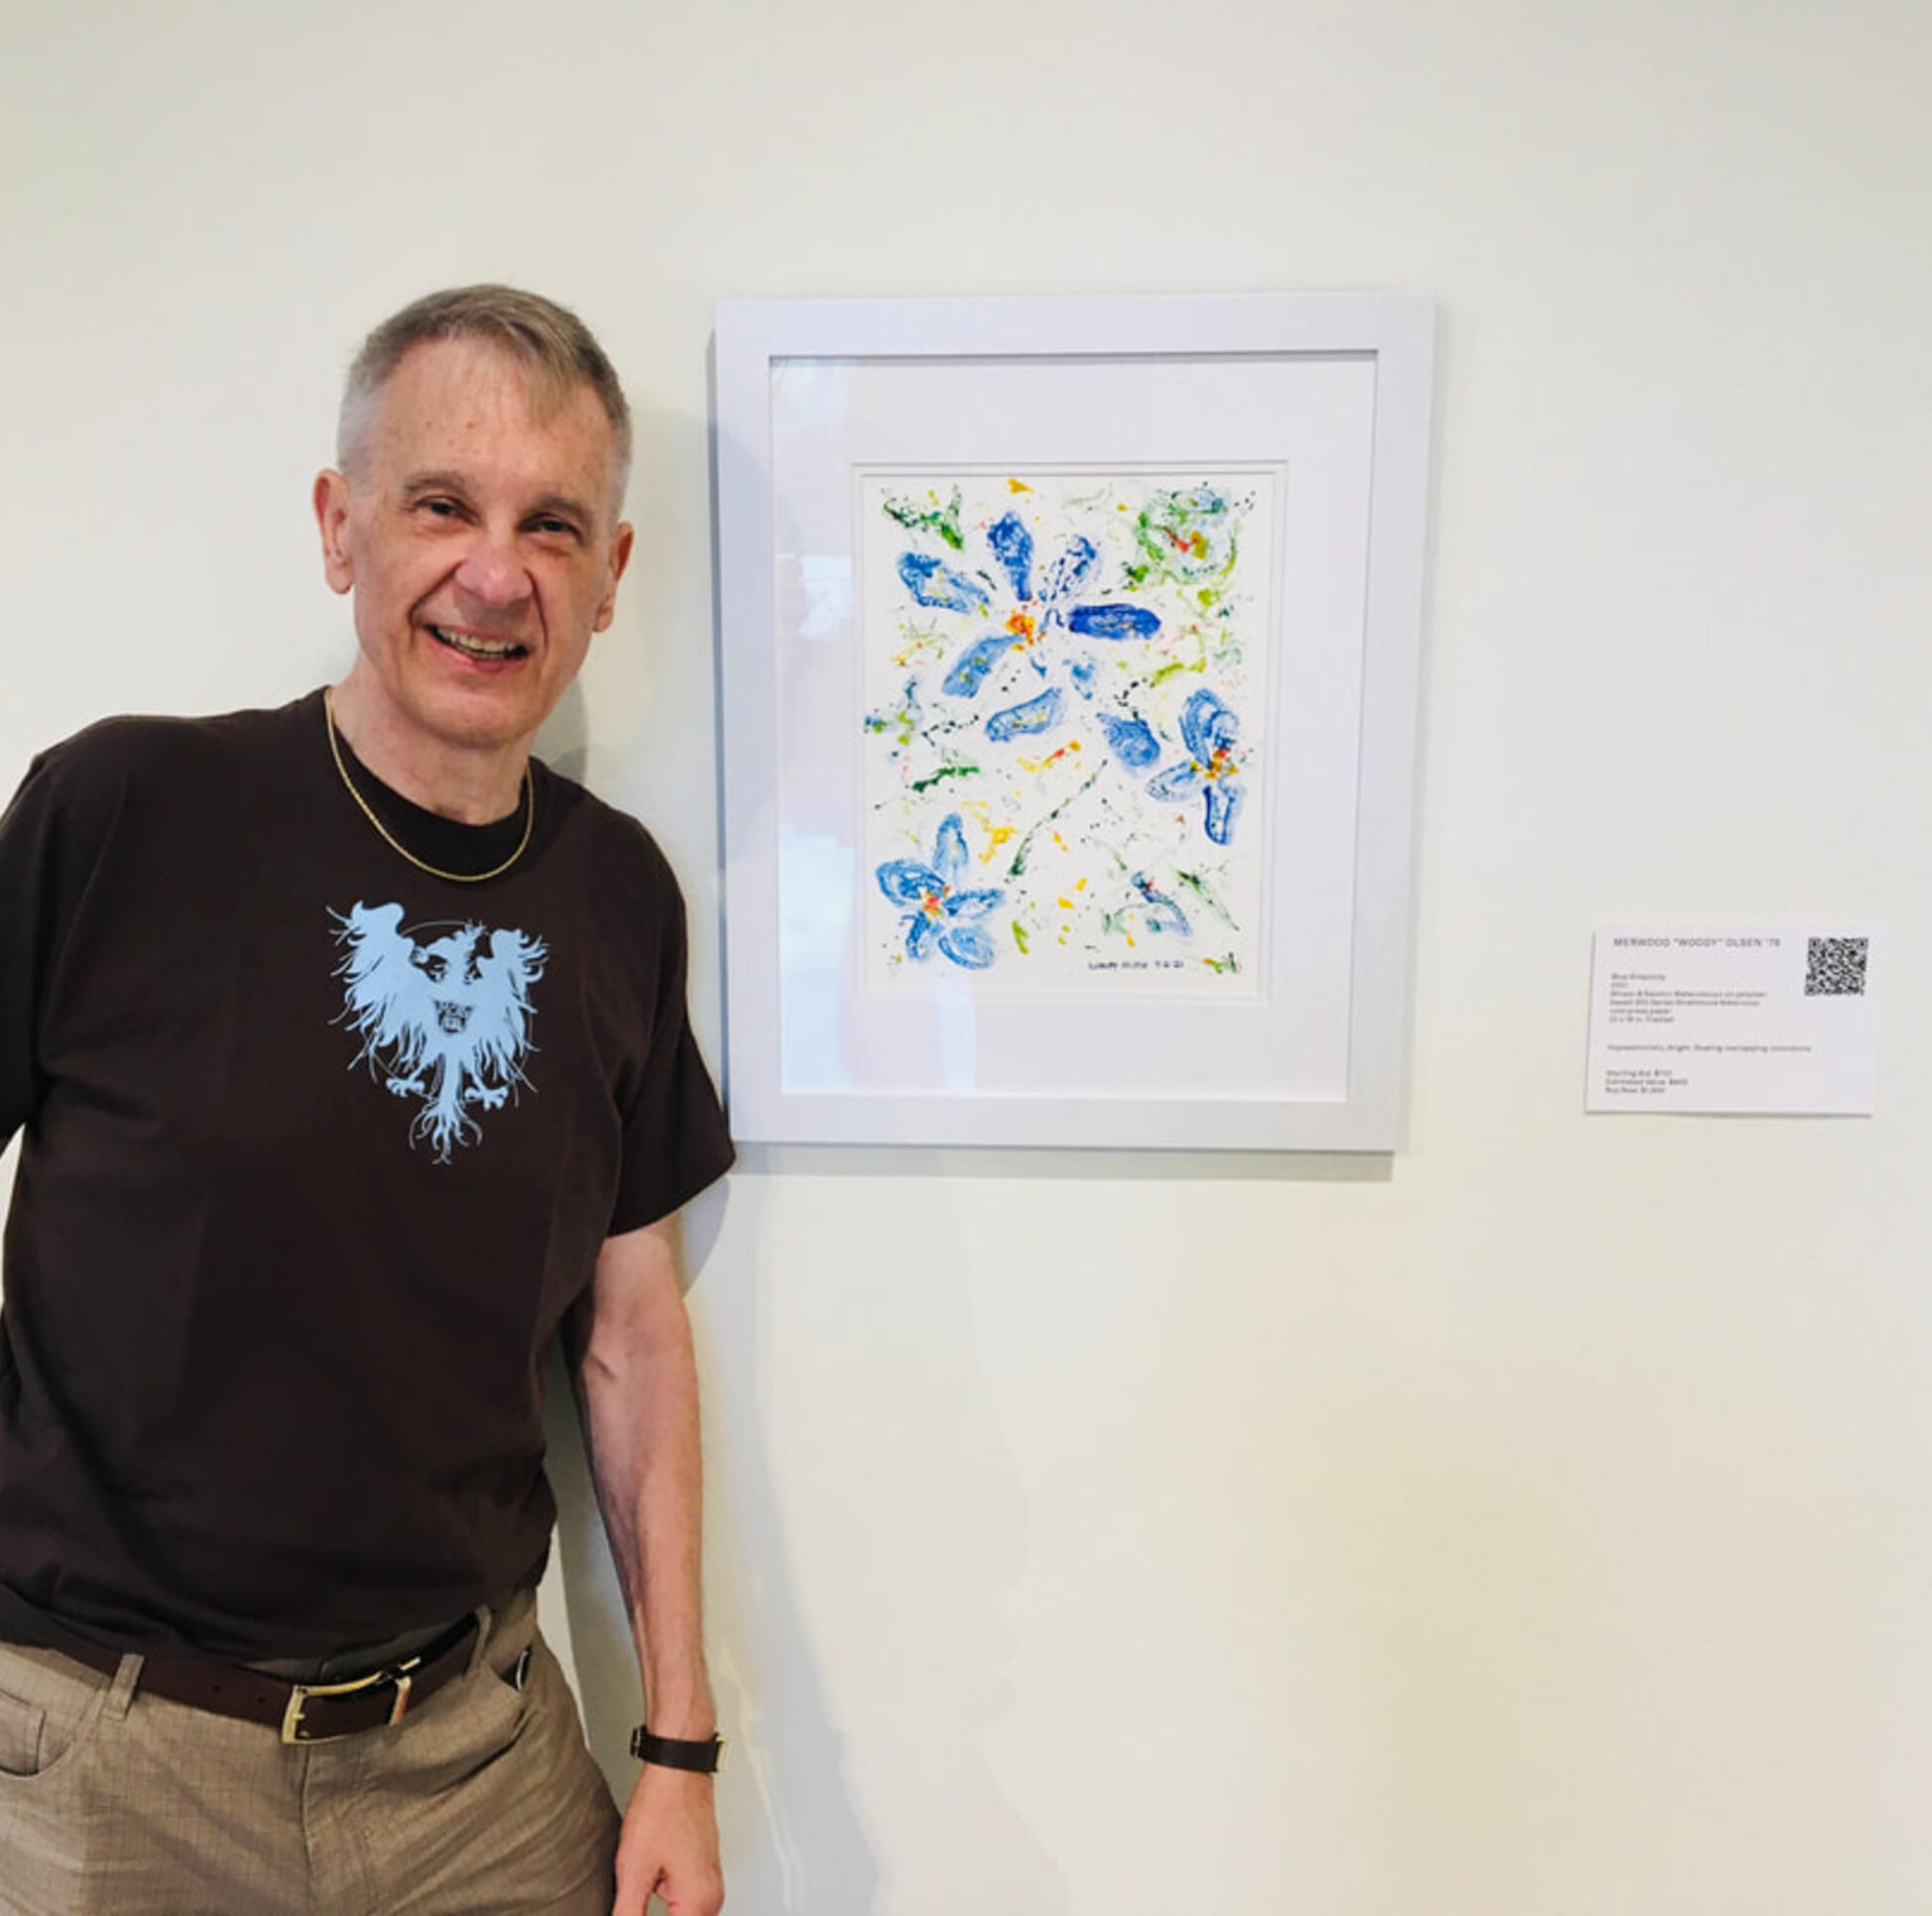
556, 348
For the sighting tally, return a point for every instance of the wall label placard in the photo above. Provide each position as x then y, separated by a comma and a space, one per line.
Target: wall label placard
1779, 1018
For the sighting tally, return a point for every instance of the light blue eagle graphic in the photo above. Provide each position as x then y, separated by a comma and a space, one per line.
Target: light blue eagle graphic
443, 1018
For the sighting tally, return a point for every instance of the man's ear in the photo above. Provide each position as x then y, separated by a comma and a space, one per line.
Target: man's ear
620, 557
331, 499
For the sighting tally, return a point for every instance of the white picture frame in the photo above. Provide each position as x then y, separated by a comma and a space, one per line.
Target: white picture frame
1241, 480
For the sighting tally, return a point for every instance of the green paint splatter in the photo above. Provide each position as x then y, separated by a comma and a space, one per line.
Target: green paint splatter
1223, 965
1201, 889
945, 772
902, 722
1187, 536
1019, 936
1177, 666
1018, 866
930, 519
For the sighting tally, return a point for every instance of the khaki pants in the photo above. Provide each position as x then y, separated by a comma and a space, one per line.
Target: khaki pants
484, 1802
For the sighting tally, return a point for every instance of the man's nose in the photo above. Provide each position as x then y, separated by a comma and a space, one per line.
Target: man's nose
492, 573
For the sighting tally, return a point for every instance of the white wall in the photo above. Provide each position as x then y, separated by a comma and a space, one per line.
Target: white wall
1534, 1522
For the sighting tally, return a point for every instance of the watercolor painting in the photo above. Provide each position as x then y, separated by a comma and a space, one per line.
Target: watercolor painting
1065, 686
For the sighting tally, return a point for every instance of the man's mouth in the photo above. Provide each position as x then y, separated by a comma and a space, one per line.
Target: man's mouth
472, 646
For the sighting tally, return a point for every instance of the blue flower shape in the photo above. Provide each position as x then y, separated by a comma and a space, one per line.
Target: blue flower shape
1208, 728
936, 913
933, 582
1041, 599
1130, 740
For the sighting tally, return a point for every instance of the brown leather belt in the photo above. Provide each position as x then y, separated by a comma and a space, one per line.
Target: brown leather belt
304, 1713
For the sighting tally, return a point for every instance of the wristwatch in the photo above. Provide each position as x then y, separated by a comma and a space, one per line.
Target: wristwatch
702, 1755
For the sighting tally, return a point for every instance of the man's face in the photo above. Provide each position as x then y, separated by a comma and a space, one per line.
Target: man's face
481, 543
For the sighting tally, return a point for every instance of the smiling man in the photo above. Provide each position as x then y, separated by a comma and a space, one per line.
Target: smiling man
475, 518
349, 1050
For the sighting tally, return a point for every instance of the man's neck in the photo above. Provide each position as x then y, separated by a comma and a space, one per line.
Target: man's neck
474, 785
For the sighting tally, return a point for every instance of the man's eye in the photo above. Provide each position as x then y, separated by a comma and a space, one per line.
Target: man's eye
555, 527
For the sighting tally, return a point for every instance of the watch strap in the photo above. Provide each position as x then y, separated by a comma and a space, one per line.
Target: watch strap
701, 1754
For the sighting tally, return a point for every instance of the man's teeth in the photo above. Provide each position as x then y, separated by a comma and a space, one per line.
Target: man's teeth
477, 648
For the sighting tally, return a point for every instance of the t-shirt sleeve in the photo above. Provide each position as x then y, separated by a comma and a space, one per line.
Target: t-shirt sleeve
675, 1140
37, 891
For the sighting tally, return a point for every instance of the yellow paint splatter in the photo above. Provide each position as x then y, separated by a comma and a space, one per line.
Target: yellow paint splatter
996, 835
925, 648
1017, 485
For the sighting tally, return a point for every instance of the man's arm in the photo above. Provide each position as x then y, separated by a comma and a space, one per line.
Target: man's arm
631, 1361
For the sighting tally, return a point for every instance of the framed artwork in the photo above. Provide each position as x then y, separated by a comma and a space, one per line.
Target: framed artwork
1069, 654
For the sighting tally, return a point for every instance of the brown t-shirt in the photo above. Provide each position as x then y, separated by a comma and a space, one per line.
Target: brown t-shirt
318, 1150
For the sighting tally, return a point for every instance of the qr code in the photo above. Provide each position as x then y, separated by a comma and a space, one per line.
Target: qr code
1835, 967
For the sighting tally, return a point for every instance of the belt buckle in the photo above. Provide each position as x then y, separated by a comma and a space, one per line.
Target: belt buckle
300, 1693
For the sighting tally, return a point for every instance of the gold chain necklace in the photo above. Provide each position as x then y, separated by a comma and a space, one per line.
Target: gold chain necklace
390, 839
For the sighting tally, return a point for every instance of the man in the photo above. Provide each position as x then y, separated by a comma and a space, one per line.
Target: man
349, 1050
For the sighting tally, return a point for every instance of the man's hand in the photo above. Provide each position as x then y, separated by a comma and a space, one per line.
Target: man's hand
670, 1845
